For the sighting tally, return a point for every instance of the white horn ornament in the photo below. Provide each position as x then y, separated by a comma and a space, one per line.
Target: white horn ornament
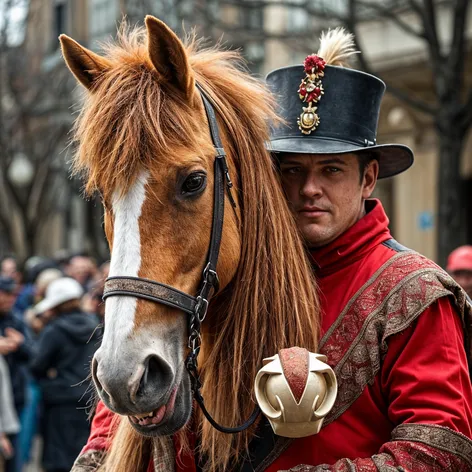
295, 390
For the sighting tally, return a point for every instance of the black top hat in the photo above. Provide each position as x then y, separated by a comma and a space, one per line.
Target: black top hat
346, 116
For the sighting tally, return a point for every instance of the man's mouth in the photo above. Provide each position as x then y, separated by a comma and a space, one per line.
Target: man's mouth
157, 416
312, 212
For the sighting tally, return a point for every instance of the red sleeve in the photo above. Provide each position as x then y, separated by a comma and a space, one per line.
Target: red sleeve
102, 429
425, 372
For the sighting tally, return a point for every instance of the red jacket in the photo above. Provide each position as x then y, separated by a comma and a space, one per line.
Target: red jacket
396, 342
423, 377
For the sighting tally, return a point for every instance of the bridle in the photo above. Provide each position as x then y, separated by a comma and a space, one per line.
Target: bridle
195, 307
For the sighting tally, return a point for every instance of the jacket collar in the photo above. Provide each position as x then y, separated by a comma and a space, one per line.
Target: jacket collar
370, 231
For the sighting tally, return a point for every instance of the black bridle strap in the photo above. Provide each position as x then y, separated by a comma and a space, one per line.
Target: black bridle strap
195, 307
150, 290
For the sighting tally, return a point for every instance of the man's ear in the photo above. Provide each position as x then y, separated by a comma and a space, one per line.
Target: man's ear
369, 181
169, 58
83, 63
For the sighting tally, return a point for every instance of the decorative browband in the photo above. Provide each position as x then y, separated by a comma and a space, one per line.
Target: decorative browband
310, 91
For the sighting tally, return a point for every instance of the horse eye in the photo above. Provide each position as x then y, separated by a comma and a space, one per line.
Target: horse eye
194, 182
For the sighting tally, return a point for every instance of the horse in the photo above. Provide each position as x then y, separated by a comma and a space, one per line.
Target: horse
144, 145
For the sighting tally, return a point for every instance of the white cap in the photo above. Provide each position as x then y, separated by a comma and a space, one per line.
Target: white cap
59, 291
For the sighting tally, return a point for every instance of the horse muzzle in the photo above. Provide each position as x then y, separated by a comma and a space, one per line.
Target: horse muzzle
155, 395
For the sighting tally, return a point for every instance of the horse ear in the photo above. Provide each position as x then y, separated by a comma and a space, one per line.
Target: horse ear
168, 56
83, 63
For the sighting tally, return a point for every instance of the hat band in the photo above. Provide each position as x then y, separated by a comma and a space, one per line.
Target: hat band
317, 137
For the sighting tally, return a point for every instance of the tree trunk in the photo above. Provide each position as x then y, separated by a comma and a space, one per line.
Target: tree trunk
451, 211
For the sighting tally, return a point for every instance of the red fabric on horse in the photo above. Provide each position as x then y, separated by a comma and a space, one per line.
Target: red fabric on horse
101, 430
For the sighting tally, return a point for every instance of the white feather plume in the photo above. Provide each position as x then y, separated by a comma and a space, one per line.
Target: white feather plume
337, 46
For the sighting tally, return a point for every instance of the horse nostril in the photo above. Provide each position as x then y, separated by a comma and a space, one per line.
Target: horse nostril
94, 368
157, 373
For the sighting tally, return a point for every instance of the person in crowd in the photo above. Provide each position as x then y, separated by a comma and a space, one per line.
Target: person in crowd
81, 268
17, 353
104, 270
44, 278
32, 268
459, 265
93, 300
9, 268
32, 410
61, 366
9, 424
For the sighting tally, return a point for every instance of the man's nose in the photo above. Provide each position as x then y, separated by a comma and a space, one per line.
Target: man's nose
310, 188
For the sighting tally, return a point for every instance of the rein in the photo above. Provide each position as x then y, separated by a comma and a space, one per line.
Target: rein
195, 307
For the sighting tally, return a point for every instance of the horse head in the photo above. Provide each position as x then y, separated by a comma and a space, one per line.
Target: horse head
144, 145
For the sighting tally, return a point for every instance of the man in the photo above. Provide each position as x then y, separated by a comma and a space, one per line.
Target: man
81, 268
61, 365
459, 265
393, 322
9, 268
17, 353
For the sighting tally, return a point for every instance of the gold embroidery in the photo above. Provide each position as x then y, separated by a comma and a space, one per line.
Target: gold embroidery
438, 437
89, 461
379, 310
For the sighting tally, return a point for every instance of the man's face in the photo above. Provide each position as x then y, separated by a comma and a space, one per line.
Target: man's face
7, 300
9, 268
464, 279
326, 193
79, 268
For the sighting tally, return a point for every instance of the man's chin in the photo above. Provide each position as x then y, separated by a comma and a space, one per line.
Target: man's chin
317, 236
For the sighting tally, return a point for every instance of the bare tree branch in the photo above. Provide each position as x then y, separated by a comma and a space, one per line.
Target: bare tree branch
351, 25
431, 33
415, 7
456, 58
389, 14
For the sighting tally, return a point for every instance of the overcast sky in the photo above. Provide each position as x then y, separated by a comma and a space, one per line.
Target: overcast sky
15, 17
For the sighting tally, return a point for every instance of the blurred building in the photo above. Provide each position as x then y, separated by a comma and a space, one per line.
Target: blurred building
270, 37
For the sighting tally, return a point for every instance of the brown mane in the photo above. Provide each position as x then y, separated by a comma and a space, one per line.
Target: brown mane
272, 303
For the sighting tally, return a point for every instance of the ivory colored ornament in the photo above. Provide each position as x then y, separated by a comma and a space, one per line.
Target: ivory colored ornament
295, 390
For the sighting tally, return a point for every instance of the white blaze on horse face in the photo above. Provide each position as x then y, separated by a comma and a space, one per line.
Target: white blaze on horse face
125, 260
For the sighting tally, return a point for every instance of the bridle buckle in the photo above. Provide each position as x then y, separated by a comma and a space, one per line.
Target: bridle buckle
201, 308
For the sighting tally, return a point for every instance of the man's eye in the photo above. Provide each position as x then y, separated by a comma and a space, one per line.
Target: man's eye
292, 170
333, 170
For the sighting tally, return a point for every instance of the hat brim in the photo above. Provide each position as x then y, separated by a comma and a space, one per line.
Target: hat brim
50, 303
45, 305
393, 158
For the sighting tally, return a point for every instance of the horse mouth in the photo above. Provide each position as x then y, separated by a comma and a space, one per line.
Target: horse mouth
167, 418
157, 416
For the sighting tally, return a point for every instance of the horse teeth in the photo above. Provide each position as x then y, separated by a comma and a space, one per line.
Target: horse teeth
144, 415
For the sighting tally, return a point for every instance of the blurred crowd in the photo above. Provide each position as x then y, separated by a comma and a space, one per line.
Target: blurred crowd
51, 323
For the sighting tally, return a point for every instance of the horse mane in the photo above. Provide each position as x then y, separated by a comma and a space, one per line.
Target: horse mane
272, 302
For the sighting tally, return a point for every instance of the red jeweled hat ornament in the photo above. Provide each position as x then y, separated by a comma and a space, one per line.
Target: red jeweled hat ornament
327, 107
336, 47
310, 91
